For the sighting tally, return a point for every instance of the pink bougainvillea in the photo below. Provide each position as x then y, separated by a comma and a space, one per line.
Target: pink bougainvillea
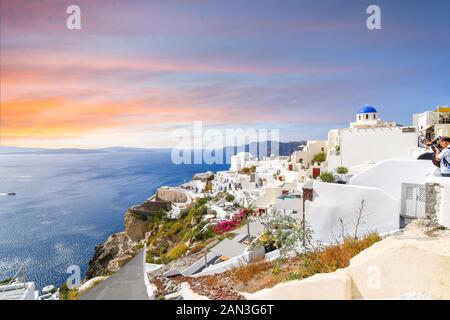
225, 226
228, 225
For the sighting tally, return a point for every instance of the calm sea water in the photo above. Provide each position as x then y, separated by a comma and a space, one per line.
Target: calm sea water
65, 204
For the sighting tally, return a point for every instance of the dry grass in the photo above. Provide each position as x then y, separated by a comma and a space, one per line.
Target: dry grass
333, 257
263, 274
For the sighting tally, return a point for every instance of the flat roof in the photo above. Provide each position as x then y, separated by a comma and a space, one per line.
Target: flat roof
13, 293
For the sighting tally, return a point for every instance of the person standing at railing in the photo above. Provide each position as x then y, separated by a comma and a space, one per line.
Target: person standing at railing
443, 156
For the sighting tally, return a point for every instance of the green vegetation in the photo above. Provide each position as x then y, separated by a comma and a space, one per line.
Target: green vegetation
338, 150
177, 251
284, 232
330, 258
341, 170
6, 281
67, 294
229, 198
167, 239
201, 202
327, 177
319, 158
264, 274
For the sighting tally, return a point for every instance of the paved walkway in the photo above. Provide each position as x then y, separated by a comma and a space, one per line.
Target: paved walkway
235, 247
126, 284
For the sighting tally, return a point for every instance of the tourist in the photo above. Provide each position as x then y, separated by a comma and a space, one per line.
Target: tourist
444, 156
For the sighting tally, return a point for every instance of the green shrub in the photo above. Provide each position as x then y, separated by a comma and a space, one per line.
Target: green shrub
175, 228
201, 202
187, 235
341, 170
177, 251
164, 259
160, 217
163, 247
197, 212
327, 177
319, 158
204, 234
229, 198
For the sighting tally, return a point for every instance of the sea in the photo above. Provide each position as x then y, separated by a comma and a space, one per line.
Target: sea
66, 204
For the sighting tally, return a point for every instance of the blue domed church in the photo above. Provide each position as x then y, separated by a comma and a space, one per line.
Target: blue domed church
367, 117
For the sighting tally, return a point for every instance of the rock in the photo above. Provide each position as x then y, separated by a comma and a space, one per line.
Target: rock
203, 176
119, 248
107, 255
135, 227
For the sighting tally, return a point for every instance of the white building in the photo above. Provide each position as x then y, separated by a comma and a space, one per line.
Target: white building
19, 291
369, 140
367, 117
306, 154
431, 124
241, 160
302, 165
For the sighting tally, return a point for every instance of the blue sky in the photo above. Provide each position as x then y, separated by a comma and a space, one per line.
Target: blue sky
138, 70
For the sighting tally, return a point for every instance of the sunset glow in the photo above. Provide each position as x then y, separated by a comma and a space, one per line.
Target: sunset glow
139, 70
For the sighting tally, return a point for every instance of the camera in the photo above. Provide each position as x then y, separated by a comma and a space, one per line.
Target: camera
435, 144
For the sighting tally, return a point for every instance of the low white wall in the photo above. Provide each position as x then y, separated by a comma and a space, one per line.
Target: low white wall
333, 202
269, 197
331, 286
188, 294
290, 176
388, 175
198, 264
235, 262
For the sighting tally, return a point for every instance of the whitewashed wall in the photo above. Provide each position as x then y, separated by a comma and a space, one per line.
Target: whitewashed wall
287, 204
374, 144
290, 176
269, 197
389, 175
332, 202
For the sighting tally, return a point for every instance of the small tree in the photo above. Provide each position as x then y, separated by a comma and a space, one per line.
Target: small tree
247, 213
327, 177
319, 158
286, 234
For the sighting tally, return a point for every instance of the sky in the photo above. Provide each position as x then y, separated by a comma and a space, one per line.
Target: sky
139, 70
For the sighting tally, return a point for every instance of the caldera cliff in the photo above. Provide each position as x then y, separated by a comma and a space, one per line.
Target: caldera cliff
120, 247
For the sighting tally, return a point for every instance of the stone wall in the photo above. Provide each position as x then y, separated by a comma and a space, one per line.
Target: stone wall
433, 191
438, 199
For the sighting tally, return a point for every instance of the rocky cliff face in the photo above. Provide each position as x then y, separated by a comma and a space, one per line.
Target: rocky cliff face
119, 248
